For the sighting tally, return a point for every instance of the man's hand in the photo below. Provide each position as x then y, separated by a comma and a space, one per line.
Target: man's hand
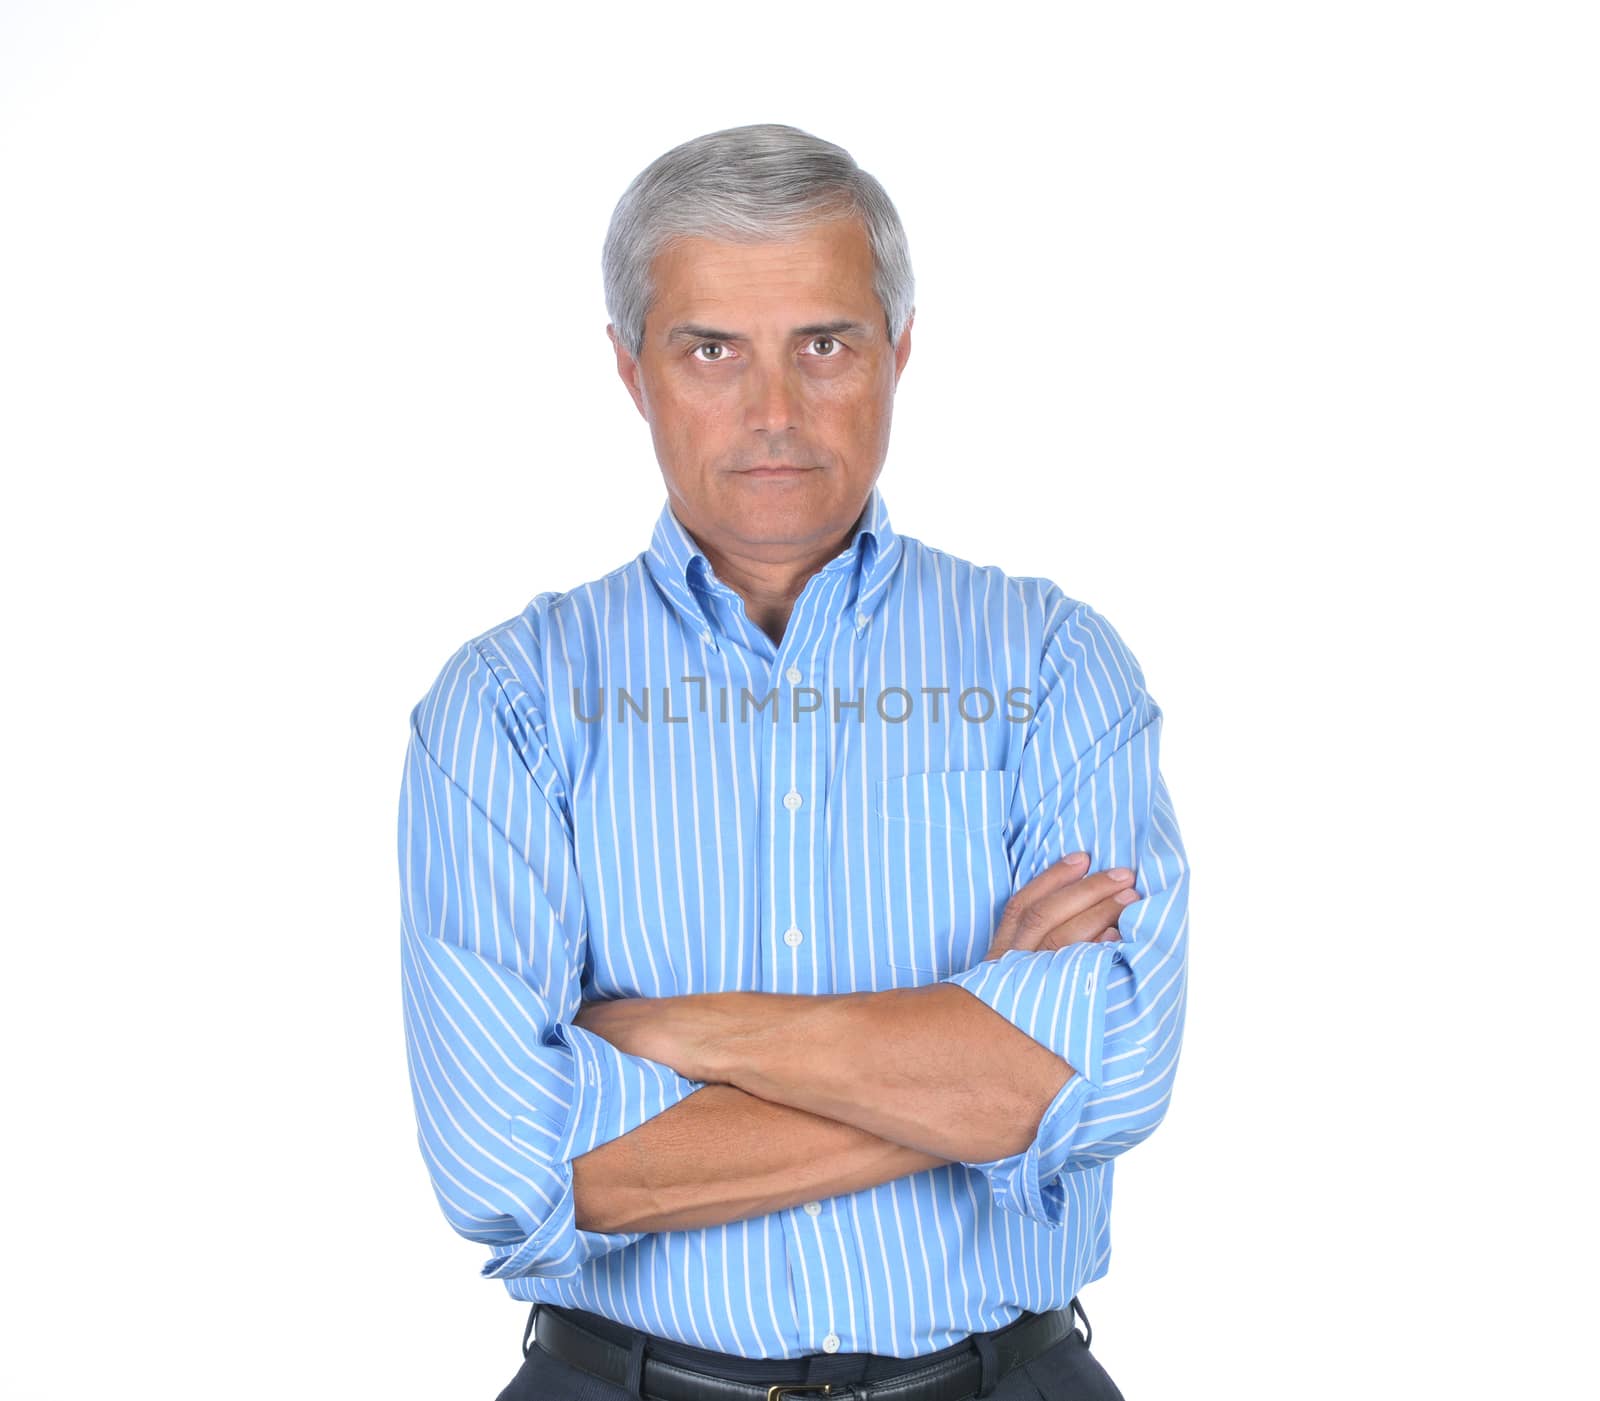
1061, 906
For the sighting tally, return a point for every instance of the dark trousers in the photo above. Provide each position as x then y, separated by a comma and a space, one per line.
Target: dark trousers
1065, 1372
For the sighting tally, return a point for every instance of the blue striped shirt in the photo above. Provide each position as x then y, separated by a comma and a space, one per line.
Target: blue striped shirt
629, 790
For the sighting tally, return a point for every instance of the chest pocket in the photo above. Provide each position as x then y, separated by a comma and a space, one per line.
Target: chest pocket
942, 868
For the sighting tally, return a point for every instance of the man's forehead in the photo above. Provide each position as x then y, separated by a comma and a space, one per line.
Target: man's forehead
818, 282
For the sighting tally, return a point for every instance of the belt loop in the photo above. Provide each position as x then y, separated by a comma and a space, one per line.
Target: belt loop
1088, 1331
527, 1336
634, 1385
989, 1354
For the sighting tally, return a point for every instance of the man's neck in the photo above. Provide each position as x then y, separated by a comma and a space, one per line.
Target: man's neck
769, 587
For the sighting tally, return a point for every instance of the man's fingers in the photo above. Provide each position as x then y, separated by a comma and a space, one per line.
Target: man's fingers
1016, 928
1091, 925
1030, 924
1054, 876
1061, 906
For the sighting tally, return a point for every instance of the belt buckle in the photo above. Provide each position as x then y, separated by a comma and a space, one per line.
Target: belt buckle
775, 1393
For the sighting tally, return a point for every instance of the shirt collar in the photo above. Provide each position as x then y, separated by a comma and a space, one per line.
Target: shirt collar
684, 574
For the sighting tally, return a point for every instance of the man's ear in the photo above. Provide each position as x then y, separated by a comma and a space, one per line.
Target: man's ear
902, 351
628, 371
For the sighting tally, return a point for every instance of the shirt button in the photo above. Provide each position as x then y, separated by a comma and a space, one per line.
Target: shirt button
813, 1208
793, 673
831, 1343
861, 620
791, 800
792, 937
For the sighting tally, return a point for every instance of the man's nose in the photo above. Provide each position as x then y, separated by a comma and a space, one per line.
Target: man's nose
773, 399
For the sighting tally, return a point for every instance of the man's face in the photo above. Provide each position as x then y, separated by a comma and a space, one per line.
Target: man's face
762, 355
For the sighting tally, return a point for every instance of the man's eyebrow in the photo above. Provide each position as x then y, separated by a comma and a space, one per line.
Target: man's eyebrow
688, 331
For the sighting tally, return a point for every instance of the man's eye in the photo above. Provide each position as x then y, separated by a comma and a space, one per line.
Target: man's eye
828, 341
709, 345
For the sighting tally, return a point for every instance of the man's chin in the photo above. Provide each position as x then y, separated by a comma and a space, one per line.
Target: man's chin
773, 522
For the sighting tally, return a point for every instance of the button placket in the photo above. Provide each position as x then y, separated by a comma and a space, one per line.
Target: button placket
798, 755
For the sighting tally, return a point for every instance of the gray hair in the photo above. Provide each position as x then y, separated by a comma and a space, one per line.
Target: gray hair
747, 184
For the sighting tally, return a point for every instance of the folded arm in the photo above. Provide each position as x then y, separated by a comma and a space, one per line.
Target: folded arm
950, 1080
930, 1068
1024, 1067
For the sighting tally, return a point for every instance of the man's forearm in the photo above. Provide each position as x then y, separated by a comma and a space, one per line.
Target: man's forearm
723, 1155
929, 1067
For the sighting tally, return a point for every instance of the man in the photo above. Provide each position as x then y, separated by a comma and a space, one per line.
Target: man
795, 916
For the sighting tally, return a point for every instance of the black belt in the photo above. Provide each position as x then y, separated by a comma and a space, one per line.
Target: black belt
953, 1378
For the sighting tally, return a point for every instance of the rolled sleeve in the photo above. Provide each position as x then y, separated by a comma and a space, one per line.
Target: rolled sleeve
612, 1093
1090, 781
1059, 999
507, 1091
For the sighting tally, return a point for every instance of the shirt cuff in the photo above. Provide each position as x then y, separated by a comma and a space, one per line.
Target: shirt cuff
612, 1091
1058, 997
1029, 1183
612, 1094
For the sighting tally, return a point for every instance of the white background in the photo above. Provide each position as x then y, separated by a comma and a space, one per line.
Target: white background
1270, 330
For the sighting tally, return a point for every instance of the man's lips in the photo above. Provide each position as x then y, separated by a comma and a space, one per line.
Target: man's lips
774, 471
